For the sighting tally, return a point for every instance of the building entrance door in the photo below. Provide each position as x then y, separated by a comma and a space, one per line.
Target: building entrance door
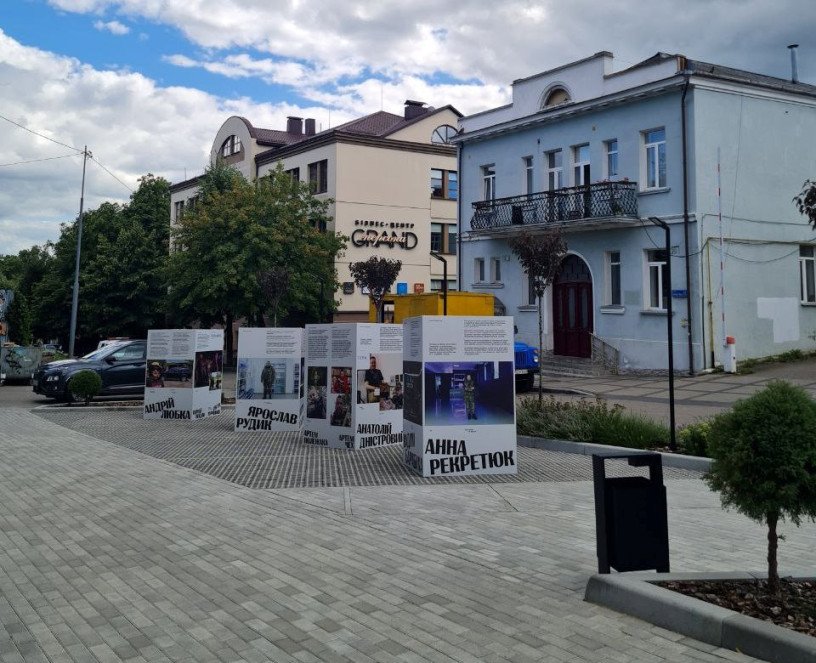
572, 309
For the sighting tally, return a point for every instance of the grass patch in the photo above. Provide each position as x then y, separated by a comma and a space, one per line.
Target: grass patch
586, 421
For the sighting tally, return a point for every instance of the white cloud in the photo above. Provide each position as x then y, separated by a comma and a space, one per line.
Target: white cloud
114, 27
131, 124
494, 42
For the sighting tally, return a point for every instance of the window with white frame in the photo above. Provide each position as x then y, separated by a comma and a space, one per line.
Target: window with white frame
612, 291
580, 162
611, 158
555, 170
530, 294
658, 288
495, 270
489, 182
807, 273
478, 270
179, 208
529, 176
654, 145
231, 146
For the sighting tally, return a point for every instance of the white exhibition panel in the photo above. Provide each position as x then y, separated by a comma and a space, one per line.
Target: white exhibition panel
269, 380
183, 373
354, 390
459, 412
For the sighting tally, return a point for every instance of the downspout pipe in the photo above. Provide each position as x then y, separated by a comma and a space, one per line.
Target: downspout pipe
687, 74
458, 218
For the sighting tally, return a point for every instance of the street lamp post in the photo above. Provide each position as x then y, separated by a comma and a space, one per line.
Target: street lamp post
444, 281
75, 295
670, 338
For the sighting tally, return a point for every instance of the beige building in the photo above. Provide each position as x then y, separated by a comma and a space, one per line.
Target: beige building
393, 179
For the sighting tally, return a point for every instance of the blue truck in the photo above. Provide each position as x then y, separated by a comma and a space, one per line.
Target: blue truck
526, 366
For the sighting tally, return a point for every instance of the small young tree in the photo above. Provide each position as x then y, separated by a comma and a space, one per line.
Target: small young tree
764, 460
377, 275
540, 255
806, 201
19, 320
274, 282
84, 385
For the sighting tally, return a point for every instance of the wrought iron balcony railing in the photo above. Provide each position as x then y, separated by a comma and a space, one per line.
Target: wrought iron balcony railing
594, 201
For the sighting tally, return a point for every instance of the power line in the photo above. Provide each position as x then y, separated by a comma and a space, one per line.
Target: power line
17, 124
110, 173
17, 163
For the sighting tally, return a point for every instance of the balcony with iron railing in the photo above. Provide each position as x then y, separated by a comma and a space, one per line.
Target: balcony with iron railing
602, 201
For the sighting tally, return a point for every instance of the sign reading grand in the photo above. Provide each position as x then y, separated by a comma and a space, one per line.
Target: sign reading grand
384, 233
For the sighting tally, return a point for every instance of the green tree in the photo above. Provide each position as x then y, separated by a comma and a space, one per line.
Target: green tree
540, 255
764, 460
124, 281
806, 201
18, 317
377, 275
235, 233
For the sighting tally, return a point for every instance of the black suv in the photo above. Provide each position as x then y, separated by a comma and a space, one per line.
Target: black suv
121, 366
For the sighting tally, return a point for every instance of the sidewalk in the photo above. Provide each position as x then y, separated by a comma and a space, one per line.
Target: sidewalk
695, 397
107, 554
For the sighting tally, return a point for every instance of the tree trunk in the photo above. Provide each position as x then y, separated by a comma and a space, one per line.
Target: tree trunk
228, 344
772, 518
540, 353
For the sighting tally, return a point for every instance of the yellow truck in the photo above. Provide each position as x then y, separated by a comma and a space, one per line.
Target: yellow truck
399, 307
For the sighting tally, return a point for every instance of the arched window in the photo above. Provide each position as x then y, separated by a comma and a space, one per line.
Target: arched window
556, 97
443, 134
231, 146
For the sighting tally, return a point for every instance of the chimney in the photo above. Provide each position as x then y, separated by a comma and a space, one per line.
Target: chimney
310, 126
414, 109
794, 67
294, 125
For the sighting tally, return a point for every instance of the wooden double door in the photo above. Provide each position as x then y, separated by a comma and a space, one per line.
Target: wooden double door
572, 309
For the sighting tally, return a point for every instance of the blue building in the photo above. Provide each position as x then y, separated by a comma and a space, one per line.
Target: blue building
598, 152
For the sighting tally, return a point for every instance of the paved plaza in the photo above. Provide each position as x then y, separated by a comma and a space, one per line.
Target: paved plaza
109, 553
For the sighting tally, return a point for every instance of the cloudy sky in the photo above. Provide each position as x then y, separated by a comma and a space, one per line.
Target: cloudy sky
145, 84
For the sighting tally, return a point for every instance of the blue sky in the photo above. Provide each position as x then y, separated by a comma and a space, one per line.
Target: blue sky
146, 83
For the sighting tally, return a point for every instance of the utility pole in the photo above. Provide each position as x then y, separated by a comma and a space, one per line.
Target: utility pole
75, 296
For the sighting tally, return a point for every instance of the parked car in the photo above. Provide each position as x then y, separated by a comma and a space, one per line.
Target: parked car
121, 365
526, 366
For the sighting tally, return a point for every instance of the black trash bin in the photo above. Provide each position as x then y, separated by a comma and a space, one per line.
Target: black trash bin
630, 515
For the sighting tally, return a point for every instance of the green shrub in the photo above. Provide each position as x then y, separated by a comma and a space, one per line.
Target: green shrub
792, 355
764, 460
693, 439
85, 385
585, 421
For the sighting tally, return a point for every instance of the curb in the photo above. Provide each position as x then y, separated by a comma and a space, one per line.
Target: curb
636, 594
678, 461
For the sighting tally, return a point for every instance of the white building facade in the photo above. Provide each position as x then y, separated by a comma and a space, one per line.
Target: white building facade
392, 179
599, 153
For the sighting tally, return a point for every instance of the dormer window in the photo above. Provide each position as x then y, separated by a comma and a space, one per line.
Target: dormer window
231, 146
556, 97
442, 135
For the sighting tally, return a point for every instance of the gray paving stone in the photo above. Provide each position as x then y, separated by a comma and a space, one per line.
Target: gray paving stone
182, 565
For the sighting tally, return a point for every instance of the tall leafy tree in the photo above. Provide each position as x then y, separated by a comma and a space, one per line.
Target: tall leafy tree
239, 230
122, 270
19, 320
377, 275
540, 255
